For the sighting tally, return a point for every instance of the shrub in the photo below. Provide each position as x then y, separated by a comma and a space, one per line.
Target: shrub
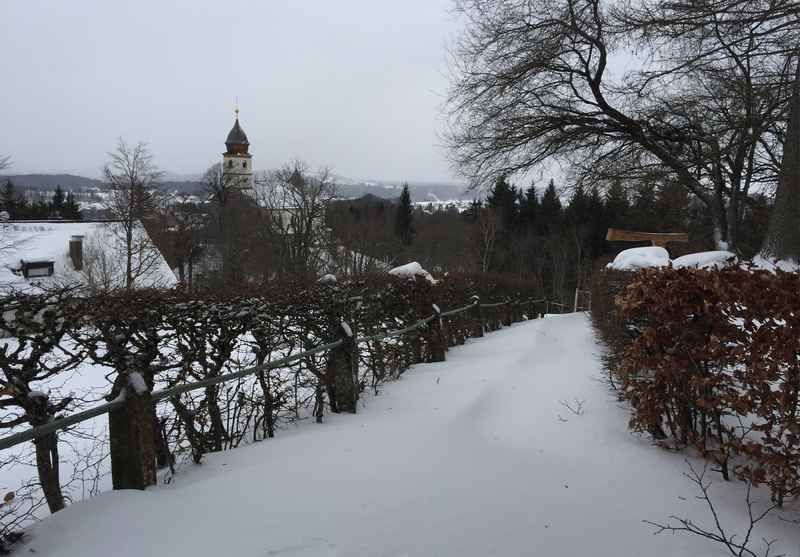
715, 364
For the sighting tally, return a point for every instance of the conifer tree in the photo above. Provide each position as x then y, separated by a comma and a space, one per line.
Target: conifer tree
71, 209
550, 210
617, 206
57, 204
529, 208
404, 221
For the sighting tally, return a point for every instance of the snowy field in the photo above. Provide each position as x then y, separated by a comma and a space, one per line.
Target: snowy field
475, 456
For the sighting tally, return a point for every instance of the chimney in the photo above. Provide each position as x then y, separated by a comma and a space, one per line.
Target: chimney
76, 252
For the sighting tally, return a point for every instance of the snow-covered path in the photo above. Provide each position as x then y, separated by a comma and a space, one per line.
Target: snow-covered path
475, 456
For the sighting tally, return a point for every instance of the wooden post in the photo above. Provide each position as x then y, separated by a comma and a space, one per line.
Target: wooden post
133, 460
508, 314
477, 318
342, 366
459, 335
436, 337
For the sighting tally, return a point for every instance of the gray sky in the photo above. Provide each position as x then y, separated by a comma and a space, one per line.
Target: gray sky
351, 84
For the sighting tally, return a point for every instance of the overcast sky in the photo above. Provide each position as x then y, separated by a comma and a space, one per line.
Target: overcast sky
352, 84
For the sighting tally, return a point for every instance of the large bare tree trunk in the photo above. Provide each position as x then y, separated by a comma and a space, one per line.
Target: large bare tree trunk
783, 235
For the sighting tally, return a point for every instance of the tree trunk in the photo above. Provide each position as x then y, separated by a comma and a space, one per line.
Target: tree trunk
47, 466
783, 234
129, 255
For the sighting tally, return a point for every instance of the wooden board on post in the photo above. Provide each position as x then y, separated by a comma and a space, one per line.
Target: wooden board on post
659, 239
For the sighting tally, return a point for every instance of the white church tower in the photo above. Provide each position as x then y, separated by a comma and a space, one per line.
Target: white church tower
237, 162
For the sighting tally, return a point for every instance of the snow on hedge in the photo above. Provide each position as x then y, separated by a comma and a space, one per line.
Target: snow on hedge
412, 270
705, 260
640, 258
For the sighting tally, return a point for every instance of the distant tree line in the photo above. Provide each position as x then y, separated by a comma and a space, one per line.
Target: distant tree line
62, 205
550, 236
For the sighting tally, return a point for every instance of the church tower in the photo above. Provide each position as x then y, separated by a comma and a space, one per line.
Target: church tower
237, 162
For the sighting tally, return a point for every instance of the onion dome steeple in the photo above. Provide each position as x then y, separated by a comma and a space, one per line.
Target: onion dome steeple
237, 142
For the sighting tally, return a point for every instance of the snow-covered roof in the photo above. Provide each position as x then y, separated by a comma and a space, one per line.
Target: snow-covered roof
48, 241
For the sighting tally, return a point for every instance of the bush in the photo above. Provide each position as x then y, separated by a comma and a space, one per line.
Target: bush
715, 364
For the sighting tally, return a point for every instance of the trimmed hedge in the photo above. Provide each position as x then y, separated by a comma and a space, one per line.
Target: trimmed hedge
711, 360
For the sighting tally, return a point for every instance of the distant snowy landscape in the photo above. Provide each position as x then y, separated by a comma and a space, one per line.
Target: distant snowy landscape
514, 446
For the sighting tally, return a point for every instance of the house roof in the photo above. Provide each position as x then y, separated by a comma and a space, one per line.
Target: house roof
31, 241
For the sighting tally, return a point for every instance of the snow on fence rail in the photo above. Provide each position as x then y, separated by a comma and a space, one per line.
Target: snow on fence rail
130, 432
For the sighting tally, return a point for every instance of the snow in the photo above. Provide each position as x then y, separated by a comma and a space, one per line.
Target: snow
475, 456
49, 241
705, 260
640, 258
412, 270
770, 264
327, 279
137, 383
347, 330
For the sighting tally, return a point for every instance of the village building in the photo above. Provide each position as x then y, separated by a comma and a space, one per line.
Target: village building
50, 254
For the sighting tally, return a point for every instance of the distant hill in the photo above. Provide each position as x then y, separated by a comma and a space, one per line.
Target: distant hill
50, 181
346, 188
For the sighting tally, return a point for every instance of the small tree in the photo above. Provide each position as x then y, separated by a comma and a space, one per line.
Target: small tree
404, 220
132, 177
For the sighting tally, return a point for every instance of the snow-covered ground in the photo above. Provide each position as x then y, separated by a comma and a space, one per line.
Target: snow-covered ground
474, 456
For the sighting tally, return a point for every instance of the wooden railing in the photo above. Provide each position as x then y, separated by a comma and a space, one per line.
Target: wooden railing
130, 414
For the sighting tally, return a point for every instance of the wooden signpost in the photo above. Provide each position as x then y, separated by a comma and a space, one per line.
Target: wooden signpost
656, 238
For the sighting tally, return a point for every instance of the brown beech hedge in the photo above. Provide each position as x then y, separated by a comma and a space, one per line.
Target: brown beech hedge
712, 361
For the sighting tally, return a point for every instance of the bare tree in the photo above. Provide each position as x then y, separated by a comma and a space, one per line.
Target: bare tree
5, 162
294, 204
132, 177
535, 81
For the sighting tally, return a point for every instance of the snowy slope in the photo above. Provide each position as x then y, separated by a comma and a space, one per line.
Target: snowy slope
475, 456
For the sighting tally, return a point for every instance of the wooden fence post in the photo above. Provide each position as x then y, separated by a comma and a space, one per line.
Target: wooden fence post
508, 314
133, 460
477, 319
437, 341
342, 366
459, 324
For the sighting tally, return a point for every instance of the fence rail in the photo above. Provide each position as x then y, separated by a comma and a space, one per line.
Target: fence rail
121, 402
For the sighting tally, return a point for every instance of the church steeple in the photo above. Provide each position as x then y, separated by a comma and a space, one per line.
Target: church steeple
237, 163
237, 140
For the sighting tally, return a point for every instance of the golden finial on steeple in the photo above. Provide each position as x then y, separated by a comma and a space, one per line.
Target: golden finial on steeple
236, 107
